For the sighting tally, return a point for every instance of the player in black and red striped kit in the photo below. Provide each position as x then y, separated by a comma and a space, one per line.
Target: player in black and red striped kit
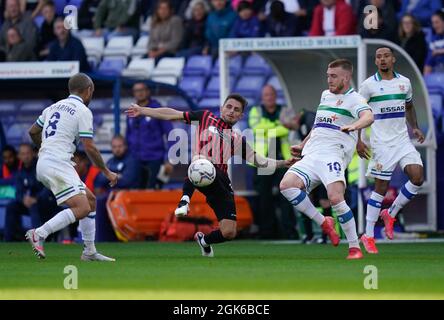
217, 142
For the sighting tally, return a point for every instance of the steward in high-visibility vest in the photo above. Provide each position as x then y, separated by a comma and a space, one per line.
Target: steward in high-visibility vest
267, 126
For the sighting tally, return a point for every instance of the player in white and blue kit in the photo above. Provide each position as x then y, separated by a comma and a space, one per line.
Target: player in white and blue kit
327, 151
389, 94
57, 132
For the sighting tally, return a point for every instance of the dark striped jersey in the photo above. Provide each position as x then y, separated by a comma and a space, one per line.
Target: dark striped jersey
215, 139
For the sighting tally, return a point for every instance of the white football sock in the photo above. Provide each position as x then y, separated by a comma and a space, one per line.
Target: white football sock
58, 222
348, 225
408, 191
374, 205
299, 199
87, 227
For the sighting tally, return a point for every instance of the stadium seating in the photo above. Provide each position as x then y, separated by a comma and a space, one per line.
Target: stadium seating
111, 67
198, 66
256, 65
35, 106
141, 47
94, 46
193, 86
274, 81
139, 68
234, 65
213, 87
250, 86
168, 70
435, 82
119, 46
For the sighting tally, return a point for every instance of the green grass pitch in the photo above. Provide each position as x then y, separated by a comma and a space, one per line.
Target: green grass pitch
239, 270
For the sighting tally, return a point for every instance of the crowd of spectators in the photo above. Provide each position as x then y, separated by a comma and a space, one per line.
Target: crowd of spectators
30, 29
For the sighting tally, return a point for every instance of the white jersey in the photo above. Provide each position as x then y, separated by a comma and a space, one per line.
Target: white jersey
388, 98
335, 111
63, 123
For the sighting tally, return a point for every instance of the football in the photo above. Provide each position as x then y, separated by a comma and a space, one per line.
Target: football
201, 173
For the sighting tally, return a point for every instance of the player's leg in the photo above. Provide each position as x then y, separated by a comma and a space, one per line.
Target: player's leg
184, 204
293, 188
412, 165
79, 208
415, 173
87, 227
335, 192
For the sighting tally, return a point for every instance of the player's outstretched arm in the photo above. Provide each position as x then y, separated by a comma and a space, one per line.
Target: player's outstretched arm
365, 120
262, 162
158, 113
96, 158
411, 119
35, 132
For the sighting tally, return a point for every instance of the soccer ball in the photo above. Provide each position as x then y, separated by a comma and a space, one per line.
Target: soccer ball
201, 173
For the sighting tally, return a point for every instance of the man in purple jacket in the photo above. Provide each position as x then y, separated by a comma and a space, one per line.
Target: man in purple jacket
148, 140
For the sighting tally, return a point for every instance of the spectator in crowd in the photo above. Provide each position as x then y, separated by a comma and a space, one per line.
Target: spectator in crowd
381, 32
413, 40
166, 32
22, 21
387, 21
235, 4
87, 12
66, 47
122, 163
435, 56
219, 24
87, 172
194, 41
246, 25
281, 23
333, 18
301, 9
420, 9
9, 169
32, 198
47, 29
152, 153
17, 49
117, 18
271, 140
189, 12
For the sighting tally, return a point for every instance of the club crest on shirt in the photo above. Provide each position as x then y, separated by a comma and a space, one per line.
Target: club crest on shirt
339, 103
402, 88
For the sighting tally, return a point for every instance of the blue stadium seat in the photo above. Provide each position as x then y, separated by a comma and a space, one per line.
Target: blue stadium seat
60, 6
193, 86
7, 107
76, 3
212, 104
436, 104
198, 66
111, 67
235, 66
256, 65
178, 103
435, 82
101, 105
213, 87
250, 86
35, 106
274, 81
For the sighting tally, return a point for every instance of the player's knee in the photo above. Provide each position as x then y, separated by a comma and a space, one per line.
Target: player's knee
417, 180
229, 233
288, 183
92, 203
335, 198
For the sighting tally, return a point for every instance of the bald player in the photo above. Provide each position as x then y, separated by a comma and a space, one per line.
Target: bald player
56, 133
